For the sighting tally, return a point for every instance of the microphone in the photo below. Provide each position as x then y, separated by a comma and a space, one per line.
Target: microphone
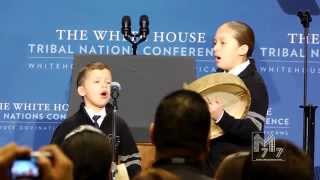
126, 26
144, 26
305, 18
115, 89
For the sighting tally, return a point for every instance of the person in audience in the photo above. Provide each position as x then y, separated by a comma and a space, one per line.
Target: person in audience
180, 134
292, 163
90, 150
233, 45
231, 167
55, 167
94, 86
156, 174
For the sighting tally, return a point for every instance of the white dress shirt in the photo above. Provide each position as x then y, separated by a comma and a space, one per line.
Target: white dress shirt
92, 113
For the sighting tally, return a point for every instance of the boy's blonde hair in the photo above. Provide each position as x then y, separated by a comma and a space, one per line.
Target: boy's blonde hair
90, 67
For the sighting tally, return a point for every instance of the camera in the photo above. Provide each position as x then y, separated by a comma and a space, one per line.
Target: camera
26, 167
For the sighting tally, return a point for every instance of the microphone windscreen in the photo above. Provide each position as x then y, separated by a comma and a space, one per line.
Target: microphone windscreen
126, 22
115, 85
144, 21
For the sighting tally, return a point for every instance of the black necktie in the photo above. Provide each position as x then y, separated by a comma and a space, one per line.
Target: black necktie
95, 119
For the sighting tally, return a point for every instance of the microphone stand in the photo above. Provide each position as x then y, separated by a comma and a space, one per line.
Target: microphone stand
134, 42
308, 109
115, 141
133, 38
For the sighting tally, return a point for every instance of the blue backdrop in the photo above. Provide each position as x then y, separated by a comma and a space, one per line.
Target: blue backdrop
39, 38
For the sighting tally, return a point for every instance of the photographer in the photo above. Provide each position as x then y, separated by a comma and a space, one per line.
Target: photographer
56, 168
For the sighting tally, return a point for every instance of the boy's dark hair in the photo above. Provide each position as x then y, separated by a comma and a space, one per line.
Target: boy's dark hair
91, 153
296, 165
243, 34
90, 67
182, 121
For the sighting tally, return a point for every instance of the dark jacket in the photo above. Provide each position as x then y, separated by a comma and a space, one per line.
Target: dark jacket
237, 133
127, 149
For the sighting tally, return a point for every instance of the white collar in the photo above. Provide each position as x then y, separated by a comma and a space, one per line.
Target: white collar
239, 68
101, 113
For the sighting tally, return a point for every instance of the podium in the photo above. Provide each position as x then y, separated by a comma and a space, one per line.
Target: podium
144, 80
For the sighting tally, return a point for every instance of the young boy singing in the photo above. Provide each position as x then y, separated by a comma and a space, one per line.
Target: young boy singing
94, 86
